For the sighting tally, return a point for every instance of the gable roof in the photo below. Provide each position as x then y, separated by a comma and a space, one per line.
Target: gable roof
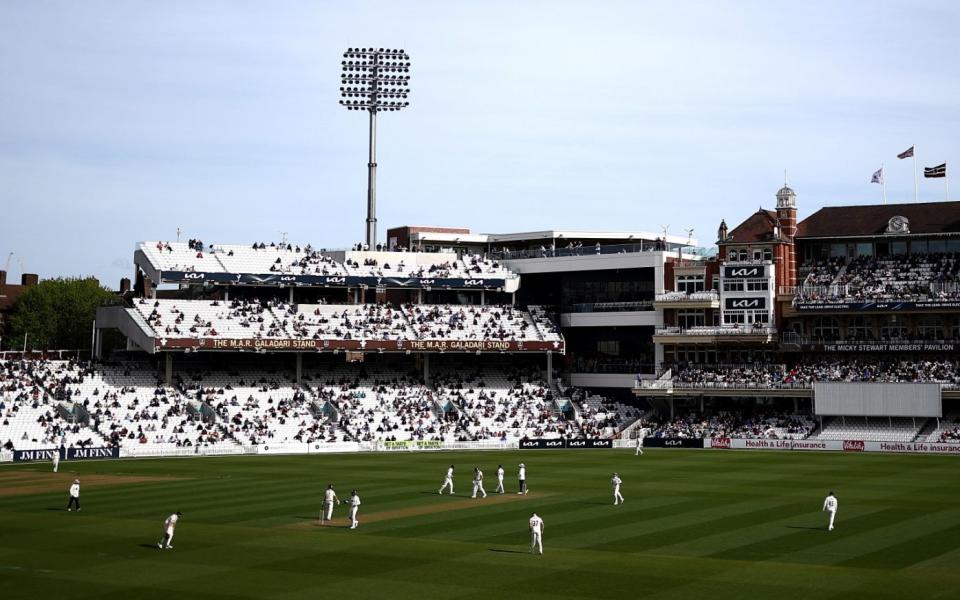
872, 219
758, 227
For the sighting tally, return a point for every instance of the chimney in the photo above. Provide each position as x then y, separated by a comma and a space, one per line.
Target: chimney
124, 285
29, 279
3, 278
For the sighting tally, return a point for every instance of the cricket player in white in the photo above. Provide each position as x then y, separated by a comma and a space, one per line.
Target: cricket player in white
447, 481
354, 506
478, 483
74, 496
830, 505
617, 496
640, 442
168, 528
329, 499
500, 489
536, 533
522, 477
56, 459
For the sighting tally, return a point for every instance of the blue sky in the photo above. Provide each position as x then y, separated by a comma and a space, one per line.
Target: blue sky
121, 121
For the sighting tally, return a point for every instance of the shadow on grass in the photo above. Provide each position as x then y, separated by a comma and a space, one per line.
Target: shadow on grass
151, 546
305, 518
597, 503
805, 527
57, 509
506, 551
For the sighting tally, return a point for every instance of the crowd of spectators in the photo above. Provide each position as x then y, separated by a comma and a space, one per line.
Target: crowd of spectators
818, 370
758, 424
914, 277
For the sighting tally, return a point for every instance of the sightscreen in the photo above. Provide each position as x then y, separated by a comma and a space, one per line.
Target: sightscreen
877, 399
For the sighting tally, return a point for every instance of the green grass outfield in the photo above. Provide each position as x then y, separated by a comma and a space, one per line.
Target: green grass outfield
695, 523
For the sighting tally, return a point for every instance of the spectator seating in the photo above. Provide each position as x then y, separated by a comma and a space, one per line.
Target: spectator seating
877, 429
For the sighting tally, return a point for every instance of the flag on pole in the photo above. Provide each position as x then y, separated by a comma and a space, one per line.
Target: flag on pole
937, 171
906, 153
877, 177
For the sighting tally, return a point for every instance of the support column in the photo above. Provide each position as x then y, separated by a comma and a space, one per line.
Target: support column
226, 295
299, 366
98, 345
291, 294
701, 406
420, 296
483, 297
426, 368
550, 368
671, 408
168, 372
513, 298
796, 405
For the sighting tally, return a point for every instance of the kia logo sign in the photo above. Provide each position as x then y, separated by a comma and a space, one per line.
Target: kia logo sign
472, 282
525, 444
853, 446
194, 275
288, 278
427, 281
576, 443
745, 303
554, 443
744, 272
672, 443
336, 279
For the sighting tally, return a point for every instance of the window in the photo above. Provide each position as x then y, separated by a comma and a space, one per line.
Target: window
767, 254
930, 328
826, 328
691, 318
860, 328
690, 283
758, 285
733, 285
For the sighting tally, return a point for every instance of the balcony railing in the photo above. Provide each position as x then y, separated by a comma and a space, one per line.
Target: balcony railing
705, 296
585, 307
717, 331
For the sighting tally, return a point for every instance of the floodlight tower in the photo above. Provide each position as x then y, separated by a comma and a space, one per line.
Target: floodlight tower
374, 80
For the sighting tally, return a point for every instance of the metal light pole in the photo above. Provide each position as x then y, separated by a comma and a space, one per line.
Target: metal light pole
374, 80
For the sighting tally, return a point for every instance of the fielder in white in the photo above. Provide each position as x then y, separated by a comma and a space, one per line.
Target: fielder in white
354, 506
522, 478
169, 526
617, 496
329, 499
447, 481
830, 505
56, 459
640, 442
500, 489
536, 533
478, 483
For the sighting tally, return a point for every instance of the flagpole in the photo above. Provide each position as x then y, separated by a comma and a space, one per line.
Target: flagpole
883, 183
915, 186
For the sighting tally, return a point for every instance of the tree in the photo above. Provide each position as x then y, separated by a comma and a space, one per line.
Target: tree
56, 314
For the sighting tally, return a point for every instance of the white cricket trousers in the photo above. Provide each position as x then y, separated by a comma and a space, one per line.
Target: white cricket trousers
833, 515
536, 542
327, 511
446, 482
500, 489
478, 487
617, 496
168, 535
353, 516
639, 451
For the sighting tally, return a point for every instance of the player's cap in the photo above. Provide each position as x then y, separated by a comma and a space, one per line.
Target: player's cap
830, 492
179, 514
521, 464
76, 481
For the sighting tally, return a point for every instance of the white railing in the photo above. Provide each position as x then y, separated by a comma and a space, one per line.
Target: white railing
726, 330
705, 296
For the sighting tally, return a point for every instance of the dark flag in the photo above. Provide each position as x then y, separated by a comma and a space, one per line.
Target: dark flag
906, 153
937, 171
